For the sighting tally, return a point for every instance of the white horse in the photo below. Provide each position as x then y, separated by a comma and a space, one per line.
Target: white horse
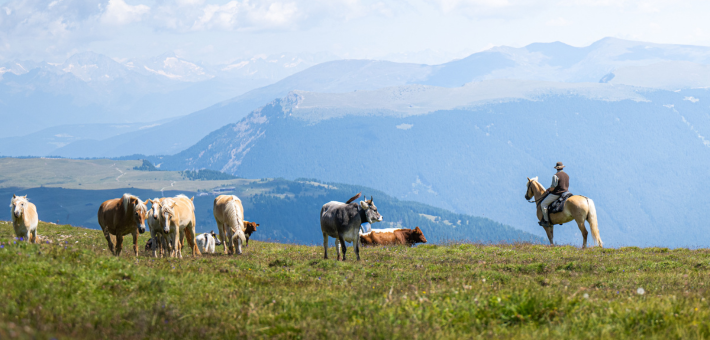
24, 218
229, 215
160, 239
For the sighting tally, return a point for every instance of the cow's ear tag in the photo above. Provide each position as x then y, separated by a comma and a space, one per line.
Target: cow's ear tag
364, 205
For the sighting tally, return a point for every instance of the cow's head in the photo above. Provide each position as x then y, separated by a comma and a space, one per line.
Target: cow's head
17, 205
370, 211
416, 236
168, 215
216, 240
250, 227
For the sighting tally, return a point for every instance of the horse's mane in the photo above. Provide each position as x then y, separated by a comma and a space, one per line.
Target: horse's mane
127, 201
18, 199
353, 198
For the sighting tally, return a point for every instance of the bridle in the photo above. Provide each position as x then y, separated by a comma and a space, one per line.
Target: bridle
532, 199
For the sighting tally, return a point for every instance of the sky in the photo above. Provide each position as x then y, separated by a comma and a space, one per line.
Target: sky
426, 31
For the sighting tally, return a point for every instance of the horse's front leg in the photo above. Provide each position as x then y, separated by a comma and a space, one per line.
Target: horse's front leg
550, 233
135, 241
223, 237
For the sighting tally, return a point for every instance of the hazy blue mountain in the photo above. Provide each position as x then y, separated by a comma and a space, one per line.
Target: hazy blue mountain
46, 141
540, 61
610, 60
90, 88
336, 76
639, 153
557, 61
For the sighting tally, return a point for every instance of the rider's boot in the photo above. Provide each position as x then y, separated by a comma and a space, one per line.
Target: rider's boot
545, 222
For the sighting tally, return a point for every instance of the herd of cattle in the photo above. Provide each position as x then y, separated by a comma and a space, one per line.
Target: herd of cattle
171, 221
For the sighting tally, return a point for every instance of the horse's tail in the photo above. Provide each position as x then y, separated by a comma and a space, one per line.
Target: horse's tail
592, 219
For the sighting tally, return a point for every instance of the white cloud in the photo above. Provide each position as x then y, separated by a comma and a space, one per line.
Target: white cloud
118, 12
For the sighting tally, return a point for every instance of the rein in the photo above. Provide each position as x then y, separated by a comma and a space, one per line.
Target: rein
533, 200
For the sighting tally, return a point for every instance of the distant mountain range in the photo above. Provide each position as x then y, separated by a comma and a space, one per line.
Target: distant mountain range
90, 88
610, 60
641, 154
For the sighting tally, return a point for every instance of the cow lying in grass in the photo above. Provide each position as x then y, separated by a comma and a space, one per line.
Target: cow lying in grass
206, 242
393, 236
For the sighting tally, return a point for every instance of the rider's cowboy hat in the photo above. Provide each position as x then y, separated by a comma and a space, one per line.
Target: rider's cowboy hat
559, 166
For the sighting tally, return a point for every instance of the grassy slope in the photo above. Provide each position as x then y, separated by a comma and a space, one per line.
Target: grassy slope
98, 174
75, 289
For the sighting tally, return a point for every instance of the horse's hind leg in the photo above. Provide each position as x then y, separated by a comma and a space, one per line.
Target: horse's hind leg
583, 229
109, 240
119, 244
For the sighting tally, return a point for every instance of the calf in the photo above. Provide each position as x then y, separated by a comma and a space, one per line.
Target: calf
206, 242
249, 228
393, 236
342, 221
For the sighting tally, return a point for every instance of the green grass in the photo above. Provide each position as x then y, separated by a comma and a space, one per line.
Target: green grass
74, 289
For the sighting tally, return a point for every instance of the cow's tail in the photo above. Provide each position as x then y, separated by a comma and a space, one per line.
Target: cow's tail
354, 198
592, 219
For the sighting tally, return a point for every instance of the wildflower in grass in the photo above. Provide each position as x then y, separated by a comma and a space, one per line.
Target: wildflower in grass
2, 246
586, 296
640, 291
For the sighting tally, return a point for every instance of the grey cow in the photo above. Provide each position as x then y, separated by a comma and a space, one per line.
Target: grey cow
342, 221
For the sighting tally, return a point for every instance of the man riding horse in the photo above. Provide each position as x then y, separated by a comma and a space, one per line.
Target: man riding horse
579, 208
560, 185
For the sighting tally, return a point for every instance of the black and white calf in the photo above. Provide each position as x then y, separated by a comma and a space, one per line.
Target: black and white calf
342, 221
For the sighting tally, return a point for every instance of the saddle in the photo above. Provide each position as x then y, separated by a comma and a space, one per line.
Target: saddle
559, 204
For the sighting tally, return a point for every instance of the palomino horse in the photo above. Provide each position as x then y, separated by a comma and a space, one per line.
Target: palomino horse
177, 216
229, 215
160, 239
578, 208
122, 216
24, 218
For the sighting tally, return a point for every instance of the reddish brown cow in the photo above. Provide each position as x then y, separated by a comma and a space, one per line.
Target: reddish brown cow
395, 236
249, 228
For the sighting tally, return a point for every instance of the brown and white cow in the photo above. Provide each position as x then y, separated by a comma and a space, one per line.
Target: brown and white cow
249, 228
393, 236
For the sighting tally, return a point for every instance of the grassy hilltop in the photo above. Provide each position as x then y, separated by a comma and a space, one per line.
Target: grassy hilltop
73, 289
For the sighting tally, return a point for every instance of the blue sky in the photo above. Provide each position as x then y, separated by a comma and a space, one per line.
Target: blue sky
418, 30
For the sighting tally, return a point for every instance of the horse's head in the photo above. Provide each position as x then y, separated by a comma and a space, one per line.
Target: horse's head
140, 214
154, 208
138, 209
167, 215
17, 205
532, 182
